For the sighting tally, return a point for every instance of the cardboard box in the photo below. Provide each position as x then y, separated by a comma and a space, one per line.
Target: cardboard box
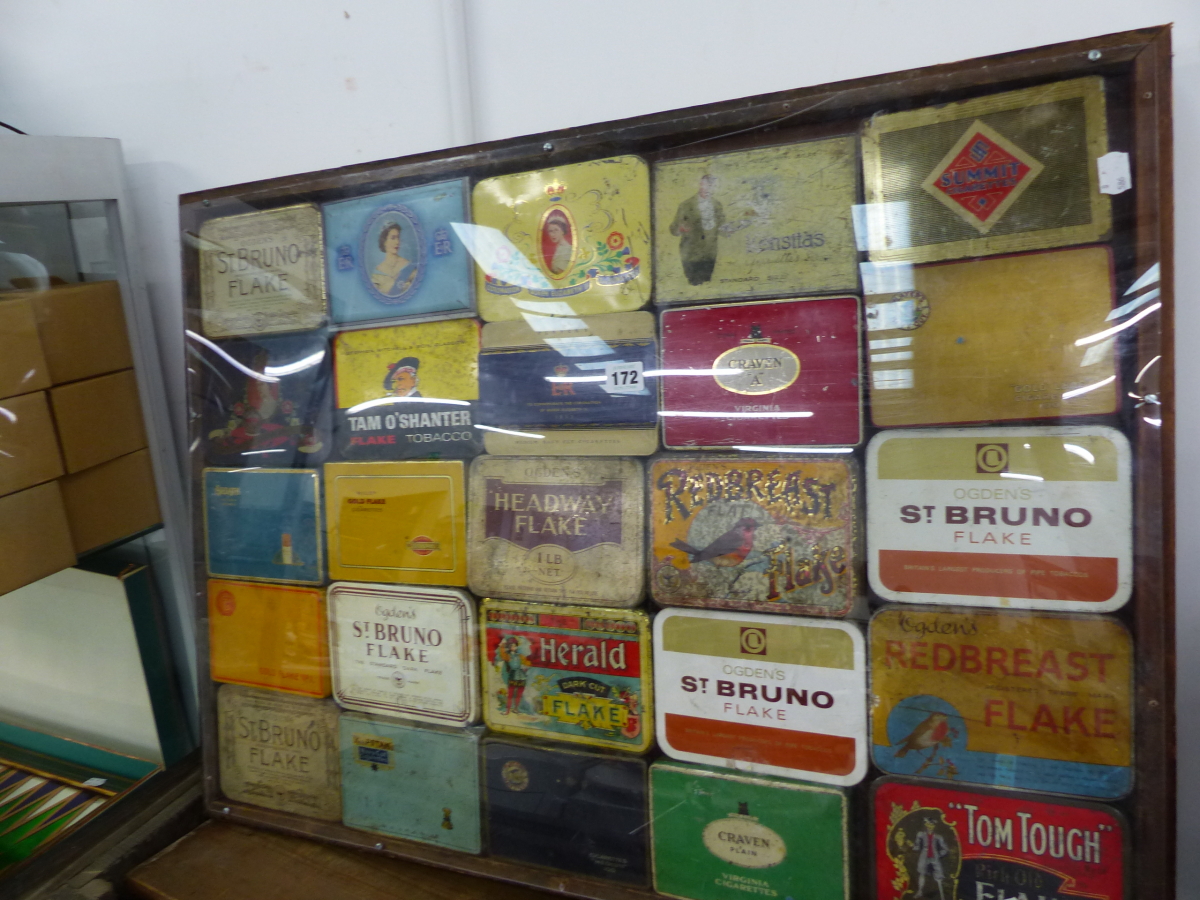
35, 536
110, 501
82, 328
28, 447
22, 364
98, 419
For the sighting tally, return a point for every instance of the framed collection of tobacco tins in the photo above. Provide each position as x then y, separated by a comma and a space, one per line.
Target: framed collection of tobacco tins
616, 510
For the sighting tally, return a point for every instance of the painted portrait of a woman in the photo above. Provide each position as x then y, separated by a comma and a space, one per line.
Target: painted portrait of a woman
394, 274
558, 242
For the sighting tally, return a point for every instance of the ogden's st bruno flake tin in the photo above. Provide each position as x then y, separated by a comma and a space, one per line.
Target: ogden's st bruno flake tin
570, 673
1024, 700
763, 694
404, 651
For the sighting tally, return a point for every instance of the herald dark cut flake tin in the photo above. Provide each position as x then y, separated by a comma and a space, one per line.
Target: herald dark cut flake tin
581, 812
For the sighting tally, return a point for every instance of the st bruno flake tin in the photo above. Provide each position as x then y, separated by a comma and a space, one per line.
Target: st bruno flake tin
769, 534
763, 694
405, 651
568, 673
1022, 700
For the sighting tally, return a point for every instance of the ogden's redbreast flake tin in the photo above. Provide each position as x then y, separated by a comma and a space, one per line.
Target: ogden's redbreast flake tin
269, 635
1022, 700
1010, 171
776, 534
398, 522
1036, 518
775, 372
585, 813
720, 835
763, 694
987, 845
262, 272
570, 673
405, 651
409, 782
559, 529
279, 751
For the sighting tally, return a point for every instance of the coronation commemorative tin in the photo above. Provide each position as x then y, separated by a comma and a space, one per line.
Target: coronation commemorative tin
1035, 518
1025, 700
569, 673
762, 694
776, 534
404, 651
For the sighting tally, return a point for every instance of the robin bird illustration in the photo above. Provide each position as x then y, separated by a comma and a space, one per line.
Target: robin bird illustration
932, 732
730, 549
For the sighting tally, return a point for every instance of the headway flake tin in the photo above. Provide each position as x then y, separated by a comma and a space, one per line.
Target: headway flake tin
1010, 171
405, 651
572, 240
397, 522
1034, 518
409, 782
771, 373
720, 835
1023, 700
768, 535
584, 813
570, 673
269, 635
762, 694
279, 751
558, 529
993, 845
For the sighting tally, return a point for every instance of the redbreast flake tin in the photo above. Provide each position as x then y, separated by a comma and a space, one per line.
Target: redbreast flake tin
569, 673
1022, 700
993, 845
764, 534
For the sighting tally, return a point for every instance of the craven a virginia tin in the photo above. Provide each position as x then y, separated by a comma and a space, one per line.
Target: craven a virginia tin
569, 673
720, 835
1022, 700
773, 221
559, 529
1012, 337
770, 373
584, 813
770, 534
933, 840
269, 635
279, 751
409, 782
1010, 171
762, 694
404, 651
571, 240
263, 525
1035, 518
262, 272
397, 522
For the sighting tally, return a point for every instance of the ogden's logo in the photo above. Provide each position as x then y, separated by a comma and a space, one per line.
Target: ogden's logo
991, 459
754, 640
423, 546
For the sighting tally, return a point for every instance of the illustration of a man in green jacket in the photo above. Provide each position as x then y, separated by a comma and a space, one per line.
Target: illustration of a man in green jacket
697, 223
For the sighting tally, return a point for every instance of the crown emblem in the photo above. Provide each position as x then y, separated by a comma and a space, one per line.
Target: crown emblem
561, 370
756, 336
555, 191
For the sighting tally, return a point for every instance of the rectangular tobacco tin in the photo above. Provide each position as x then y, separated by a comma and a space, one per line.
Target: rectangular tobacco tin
405, 651
762, 694
571, 240
262, 272
584, 813
766, 534
263, 525
557, 529
720, 835
1033, 518
773, 221
933, 840
409, 782
568, 673
770, 373
1011, 337
1004, 172
279, 751
397, 522
269, 635
408, 391
397, 255
1025, 700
